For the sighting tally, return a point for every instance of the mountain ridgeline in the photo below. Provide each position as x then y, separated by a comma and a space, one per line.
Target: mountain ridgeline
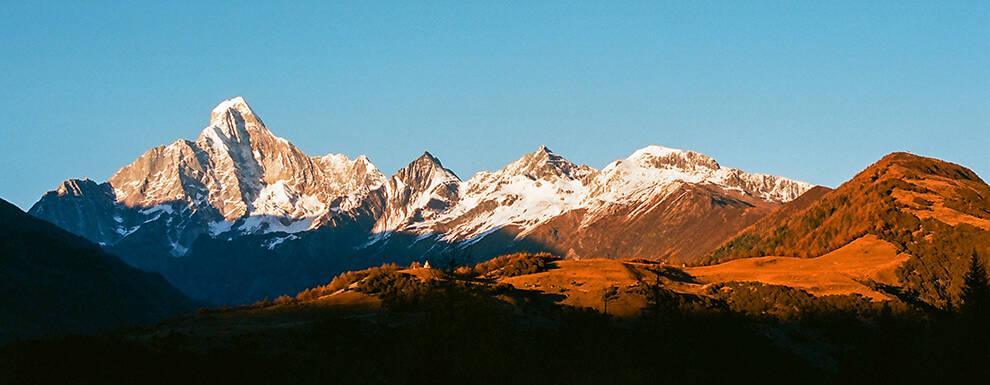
239, 214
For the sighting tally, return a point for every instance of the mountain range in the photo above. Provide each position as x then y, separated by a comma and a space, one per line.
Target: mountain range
273, 209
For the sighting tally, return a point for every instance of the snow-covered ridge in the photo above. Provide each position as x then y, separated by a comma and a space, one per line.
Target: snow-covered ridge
543, 185
640, 174
238, 178
531, 190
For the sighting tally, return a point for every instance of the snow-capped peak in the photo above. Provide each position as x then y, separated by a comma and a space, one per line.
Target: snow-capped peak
545, 164
242, 178
232, 105
672, 158
655, 150
639, 175
363, 159
233, 121
419, 191
427, 159
424, 171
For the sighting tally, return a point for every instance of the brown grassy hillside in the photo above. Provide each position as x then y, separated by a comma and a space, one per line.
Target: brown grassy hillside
847, 270
936, 211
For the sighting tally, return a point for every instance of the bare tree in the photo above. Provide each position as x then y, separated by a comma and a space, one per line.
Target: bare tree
610, 294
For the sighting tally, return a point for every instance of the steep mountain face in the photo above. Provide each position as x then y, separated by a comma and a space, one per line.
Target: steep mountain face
84, 207
239, 187
417, 194
57, 282
938, 212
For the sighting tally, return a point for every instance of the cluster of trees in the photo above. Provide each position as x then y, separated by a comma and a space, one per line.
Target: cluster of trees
765, 301
858, 208
511, 265
969, 202
388, 281
345, 280
935, 272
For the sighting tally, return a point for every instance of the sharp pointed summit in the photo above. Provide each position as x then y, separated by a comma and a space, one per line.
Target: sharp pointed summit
235, 107
546, 164
233, 121
427, 157
419, 191
424, 168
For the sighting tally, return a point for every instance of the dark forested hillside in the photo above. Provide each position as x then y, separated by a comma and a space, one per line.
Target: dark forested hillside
52, 282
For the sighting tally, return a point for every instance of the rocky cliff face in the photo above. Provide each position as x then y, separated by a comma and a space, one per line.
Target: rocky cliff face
240, 185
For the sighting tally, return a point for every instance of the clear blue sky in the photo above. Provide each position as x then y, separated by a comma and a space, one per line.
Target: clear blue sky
814, 91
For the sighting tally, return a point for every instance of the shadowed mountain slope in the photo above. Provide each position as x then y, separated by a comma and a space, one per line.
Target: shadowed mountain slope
52, 281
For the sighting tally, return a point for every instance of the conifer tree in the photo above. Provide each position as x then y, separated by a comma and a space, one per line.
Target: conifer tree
974, 334
975, 294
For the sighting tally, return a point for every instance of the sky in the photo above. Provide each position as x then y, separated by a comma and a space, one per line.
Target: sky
814, 91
